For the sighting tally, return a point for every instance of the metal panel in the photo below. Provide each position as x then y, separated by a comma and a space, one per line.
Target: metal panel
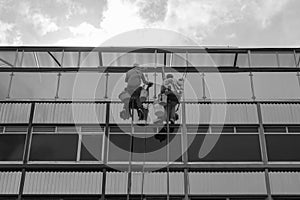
221, 113
10, 182
69, 113
63, 183
116, 183
229, 183
136, 183
281, 113
155, 183
14, 112
285, 183
176, 186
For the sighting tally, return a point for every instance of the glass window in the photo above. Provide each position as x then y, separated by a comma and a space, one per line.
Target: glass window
294, 129
223, 148
4, 82
89, 59
44, 129
70, 59
116, 84
82, 85
16, 129
275, 129
227, 86
198, 129
263, 59
118, 147
46, 60
222, 129
283, 147
34, 85
53, 147
276, 85
193, 86
7, 58
28, 59
12, 147
242, 60
286, 59
91, 148
247, 129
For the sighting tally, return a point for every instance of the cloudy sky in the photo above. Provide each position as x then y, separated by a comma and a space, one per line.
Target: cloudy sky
145, 22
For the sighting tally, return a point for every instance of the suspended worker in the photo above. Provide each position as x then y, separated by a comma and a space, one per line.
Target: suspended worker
173, 89
134, 79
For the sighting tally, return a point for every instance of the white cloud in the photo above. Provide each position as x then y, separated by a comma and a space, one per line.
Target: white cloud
43, 24
8, 34
73, 7
195, 18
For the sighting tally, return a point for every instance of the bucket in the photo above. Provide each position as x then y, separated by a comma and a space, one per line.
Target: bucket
124, 96
163, 99
143, 95
159, 110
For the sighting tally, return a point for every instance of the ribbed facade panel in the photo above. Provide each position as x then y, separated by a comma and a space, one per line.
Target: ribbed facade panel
155, 183
221, 113
281, 113
285, 183
63, 183
176, 181
116, 183
10, 182
136, 182
69, 113
252, 183
14, 112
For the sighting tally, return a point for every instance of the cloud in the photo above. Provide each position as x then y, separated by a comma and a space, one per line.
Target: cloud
196, 19
9, 35
73, 7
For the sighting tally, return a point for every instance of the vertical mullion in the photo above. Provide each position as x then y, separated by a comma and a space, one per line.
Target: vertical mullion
251, 76
155, 66
262, 141
59, 75
105, 150
12, 74
26, 150
297, 66
79, 59
130, 156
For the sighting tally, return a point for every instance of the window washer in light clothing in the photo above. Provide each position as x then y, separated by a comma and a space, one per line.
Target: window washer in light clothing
134, 79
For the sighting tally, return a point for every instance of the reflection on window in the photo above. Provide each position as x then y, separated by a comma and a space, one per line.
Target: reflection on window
286, 59
116, 84
228, 86
4, 82
263, 59
118, 147
89, 59
223, 148
53, 147
7, 58
276, 85
12, 147
193, 86
242, 60
28, 59
70, 59
34, 85
82, 85
91, 148
45, 60
128, 59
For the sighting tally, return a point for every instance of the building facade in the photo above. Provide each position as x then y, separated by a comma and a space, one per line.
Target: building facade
62, 137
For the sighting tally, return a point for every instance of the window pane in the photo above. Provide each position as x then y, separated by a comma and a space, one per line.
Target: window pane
4, 82
283, 147
228, 148
119, 147
276, 85
89, 59
70, 59
9, 57
263, 59
193, 87
116, 84
28, 59
45, 60
54, 147
34, 85
91, 148
286, 59
228, 86
242, 60
274, 129
12, 147
247, 129
82, 85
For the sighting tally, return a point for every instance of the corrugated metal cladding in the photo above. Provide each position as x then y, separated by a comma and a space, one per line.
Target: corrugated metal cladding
69, 113
116, 183
116, 108
221, 113
63, 183
10, 182
156, 183
285, 183
281, 113
14, 112
229, 183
